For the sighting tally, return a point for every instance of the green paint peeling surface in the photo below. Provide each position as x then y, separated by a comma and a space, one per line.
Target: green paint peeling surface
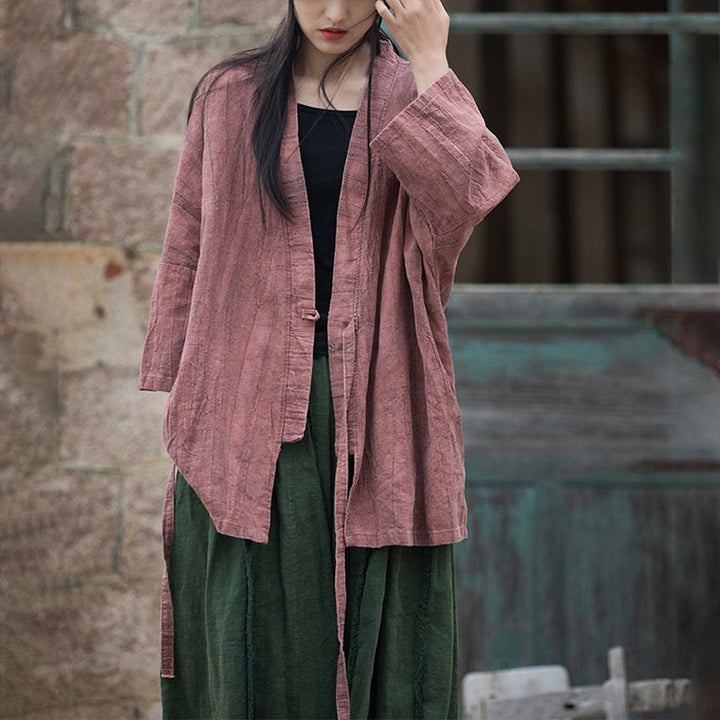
487, 359
593, 486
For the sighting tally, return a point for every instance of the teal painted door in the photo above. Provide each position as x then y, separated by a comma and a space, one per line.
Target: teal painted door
592, 433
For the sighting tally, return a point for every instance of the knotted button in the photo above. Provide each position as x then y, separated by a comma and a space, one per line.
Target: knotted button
310, 314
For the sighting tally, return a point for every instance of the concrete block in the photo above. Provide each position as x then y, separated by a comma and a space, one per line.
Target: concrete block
28, 397
58, 527
172, 71
141, 550
119, 194
86, 305
27, 152
121, 710
75, 84
163, 17
243, 11
33, 17
79, 645
106, 422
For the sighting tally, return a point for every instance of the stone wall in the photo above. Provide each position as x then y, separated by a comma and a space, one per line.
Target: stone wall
93, 95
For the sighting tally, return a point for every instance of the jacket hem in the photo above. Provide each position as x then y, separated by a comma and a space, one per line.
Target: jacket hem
258, 535
407, 538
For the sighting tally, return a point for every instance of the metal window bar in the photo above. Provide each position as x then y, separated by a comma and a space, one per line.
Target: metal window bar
677, 25
587, 23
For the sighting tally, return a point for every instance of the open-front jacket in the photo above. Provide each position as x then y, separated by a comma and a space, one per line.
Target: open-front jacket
232, 318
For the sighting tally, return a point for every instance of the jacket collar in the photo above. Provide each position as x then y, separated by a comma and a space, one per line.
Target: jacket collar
384, 71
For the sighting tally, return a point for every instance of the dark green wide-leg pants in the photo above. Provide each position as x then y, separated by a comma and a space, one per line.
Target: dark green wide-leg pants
255, 625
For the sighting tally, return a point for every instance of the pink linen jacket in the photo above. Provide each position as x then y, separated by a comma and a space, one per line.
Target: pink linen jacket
232, 316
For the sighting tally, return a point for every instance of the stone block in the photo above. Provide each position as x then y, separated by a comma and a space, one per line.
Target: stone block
243, 11
121, 710
58, 527
106, 421
85, 305
28, 397
119, 193
172, 71
79, 645
74, 84
161, 17
141, 551
34, 17
27, 152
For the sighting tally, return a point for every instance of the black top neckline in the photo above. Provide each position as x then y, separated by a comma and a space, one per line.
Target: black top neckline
319, 110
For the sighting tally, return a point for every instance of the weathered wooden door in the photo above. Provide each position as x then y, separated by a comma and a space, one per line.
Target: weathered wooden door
592, 431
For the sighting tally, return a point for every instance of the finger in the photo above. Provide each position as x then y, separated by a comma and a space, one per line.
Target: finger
395, 5
384, 11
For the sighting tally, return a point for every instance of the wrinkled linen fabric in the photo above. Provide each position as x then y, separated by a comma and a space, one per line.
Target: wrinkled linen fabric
232, 315
231, 326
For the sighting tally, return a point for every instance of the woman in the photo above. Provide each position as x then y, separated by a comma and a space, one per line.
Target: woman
325, 189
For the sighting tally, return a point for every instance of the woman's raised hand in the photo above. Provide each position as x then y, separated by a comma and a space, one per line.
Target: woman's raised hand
420, 28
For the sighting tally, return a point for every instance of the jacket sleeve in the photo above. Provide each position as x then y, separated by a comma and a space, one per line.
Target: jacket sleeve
170, 304
452, 167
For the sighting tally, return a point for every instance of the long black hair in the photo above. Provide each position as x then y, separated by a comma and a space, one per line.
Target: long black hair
275, 65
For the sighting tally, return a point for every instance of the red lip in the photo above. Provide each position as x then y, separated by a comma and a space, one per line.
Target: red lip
333, 33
